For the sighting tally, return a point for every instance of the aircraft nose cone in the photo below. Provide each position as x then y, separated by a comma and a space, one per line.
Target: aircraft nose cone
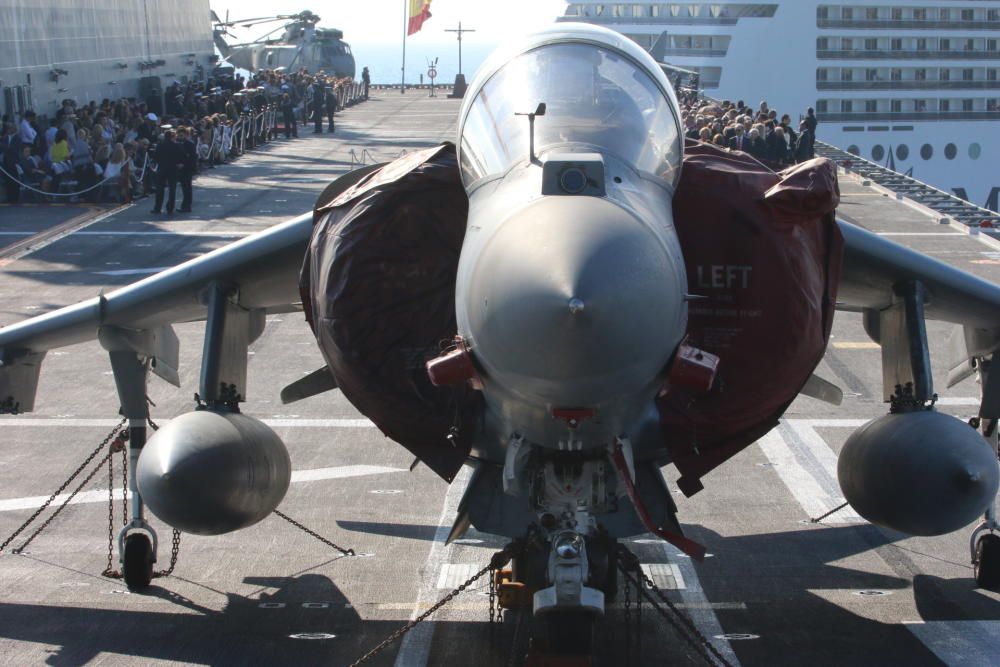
574, 298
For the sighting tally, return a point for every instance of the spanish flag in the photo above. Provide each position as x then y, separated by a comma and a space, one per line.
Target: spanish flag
420, 11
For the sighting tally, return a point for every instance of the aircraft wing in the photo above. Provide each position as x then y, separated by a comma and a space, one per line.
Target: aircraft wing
256, 276
896, 288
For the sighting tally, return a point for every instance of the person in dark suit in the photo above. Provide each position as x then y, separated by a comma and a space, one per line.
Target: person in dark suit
319, 98
331, 106
756, 146
740, 141
10, 146
804, 148
169, 157
185, 172
288, 116
811, 121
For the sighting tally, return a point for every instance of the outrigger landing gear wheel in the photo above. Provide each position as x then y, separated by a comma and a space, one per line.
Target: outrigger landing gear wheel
987, 563
137, 563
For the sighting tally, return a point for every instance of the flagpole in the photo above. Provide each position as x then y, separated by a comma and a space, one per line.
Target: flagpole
406, 17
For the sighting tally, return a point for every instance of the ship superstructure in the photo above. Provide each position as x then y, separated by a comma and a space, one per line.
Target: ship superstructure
59, 49
909, 84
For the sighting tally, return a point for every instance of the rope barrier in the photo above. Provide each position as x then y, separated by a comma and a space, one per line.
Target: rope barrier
54, 194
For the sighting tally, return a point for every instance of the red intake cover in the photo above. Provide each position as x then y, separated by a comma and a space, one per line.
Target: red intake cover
764, 251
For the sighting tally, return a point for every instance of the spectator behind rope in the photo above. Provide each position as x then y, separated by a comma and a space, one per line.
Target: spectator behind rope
117, 174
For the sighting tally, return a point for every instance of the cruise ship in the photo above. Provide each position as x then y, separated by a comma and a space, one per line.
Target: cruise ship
911, 85
86, 50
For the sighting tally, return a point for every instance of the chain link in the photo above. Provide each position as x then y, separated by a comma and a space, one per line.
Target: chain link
346, 552
499, 560
45, 505
685, 627
175, 549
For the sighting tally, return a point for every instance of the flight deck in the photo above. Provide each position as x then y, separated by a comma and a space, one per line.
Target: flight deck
776, 588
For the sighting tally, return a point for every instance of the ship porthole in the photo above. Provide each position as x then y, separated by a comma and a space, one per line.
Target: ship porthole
950, 151
927, 151
854, 150
902, 152
975, 151
878, 152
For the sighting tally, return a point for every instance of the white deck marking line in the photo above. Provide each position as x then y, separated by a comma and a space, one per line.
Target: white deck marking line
108, 423
416, 647
960, 643
958, 400
133, 272
453, 574
667, 576
956, 234
314, 475
701, 611
808, 467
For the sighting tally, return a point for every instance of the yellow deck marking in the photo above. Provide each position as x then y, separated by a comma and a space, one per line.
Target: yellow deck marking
864, 345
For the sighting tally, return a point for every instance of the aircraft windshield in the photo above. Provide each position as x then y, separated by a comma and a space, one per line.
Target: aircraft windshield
593, 96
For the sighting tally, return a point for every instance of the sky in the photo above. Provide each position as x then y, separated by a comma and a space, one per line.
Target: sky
374, 29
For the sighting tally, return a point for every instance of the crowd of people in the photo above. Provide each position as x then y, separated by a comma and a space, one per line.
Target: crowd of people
760, 132
126, 148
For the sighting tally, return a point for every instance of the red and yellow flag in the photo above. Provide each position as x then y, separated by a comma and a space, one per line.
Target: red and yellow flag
420, 11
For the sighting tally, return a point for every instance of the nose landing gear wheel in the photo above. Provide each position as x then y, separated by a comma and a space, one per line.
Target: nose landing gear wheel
137, 564
987, 563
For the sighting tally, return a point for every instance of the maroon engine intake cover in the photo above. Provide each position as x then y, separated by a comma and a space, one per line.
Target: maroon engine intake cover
765, 251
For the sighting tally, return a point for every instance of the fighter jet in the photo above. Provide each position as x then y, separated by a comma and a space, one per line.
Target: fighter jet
567, 300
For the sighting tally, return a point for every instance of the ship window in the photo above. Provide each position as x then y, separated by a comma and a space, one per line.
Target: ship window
846, 13
967, 105
970, 45
920, 105
878, 152
822, 44
944, 105
920, 74
896, 106
821, 74
944, 45
871, 44
967, 15
993, 14
975, 151
991, 75
871, 75
902, 151
823, 12
896, 74
945, 74
897, 13
921, 44
896, 44
847, 44
847, 74
926, 151
871, 13
595, 98
846, 106
871, 106
950, 151
854, 150
991, 45
822, 106
920, 14
967, 75
675, 10
654, 11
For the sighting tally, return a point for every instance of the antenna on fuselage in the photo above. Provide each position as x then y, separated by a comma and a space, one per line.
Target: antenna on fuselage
539, 111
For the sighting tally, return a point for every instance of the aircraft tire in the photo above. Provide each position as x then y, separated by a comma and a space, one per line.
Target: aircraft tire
137, 565
987, 563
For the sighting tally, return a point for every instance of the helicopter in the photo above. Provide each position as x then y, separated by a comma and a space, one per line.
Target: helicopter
301, 44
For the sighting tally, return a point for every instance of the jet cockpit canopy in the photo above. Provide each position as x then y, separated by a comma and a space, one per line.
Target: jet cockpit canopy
602, 92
